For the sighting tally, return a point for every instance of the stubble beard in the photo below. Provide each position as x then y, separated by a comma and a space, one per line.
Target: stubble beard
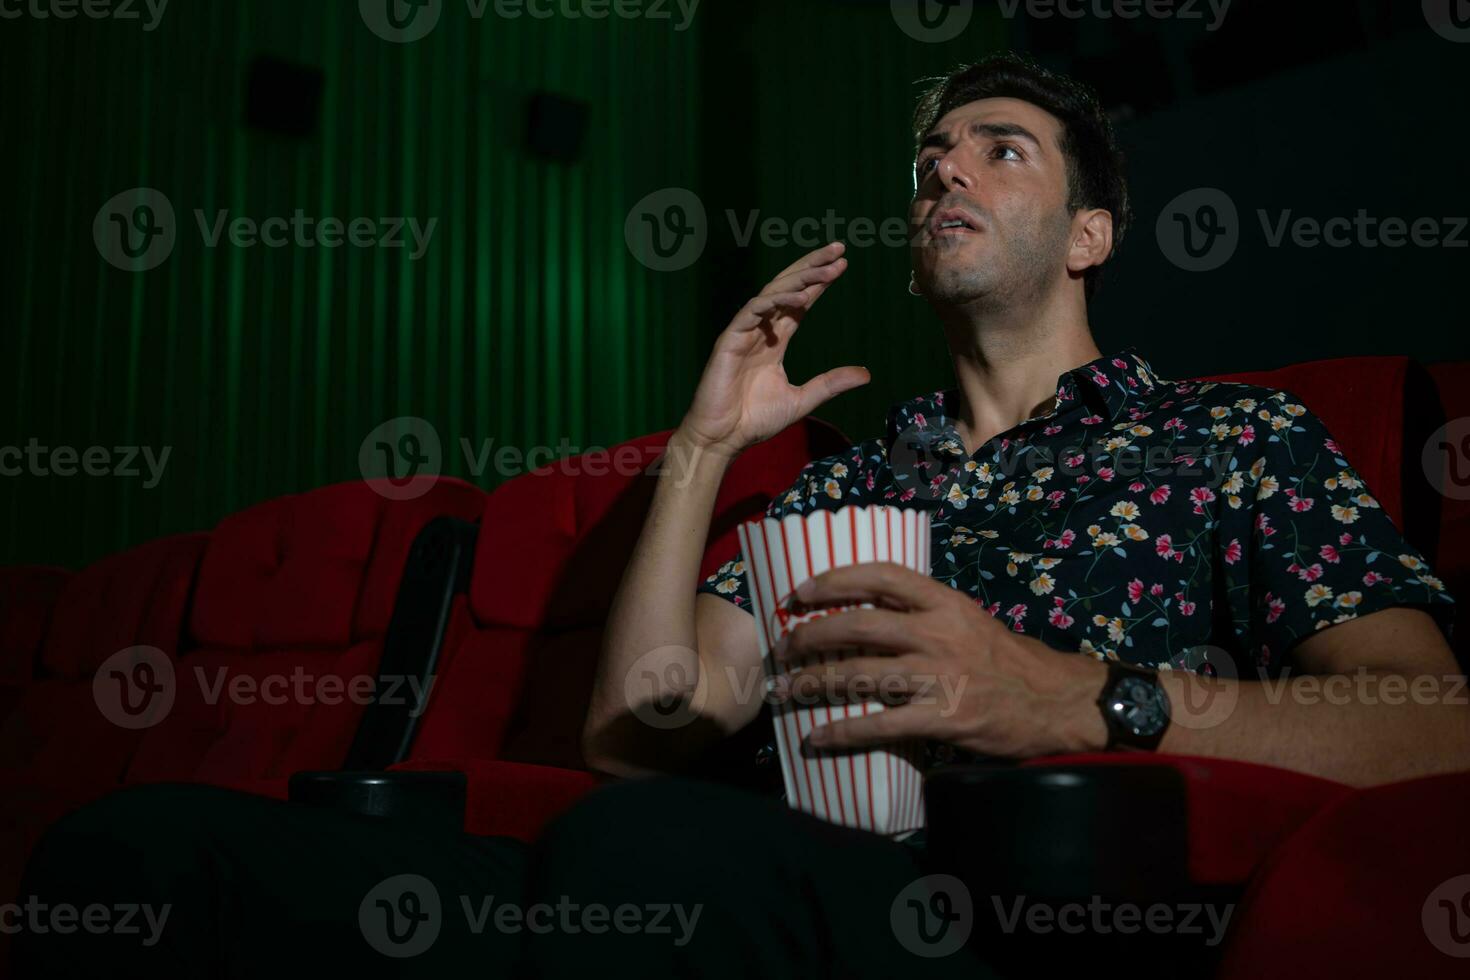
1018, 270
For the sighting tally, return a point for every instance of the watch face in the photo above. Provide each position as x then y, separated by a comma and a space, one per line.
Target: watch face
1138, 704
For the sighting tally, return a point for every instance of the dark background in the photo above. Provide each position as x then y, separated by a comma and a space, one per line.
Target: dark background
530, 321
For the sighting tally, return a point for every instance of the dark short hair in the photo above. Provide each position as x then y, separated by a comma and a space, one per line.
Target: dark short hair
1095, 177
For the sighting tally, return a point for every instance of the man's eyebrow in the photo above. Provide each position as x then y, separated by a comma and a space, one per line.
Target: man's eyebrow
994, 130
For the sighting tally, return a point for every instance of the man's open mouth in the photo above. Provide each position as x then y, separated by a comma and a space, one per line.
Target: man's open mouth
952, 221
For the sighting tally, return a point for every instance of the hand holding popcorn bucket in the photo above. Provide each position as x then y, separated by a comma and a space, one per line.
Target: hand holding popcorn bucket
878, 789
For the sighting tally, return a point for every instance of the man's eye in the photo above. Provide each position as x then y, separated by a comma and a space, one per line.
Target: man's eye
1008, 148
924, 164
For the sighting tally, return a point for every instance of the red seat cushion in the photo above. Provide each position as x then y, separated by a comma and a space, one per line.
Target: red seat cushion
1357, 891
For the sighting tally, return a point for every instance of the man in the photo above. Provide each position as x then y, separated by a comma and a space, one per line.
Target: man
1247, 534
1079, 503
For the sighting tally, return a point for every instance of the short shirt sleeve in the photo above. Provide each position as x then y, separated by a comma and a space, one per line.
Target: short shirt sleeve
1304, 543
822, 481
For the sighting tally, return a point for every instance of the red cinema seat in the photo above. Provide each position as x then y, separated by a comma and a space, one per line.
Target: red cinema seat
1380, 410
1375, 885
27, 596
250, 653
285, 634
522, 646
1452, 381
62, 746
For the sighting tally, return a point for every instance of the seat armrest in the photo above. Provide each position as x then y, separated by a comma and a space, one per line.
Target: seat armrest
1061, 831
433, 799
511, 799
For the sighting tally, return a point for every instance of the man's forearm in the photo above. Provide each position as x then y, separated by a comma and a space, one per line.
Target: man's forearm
651, 625
1360, 729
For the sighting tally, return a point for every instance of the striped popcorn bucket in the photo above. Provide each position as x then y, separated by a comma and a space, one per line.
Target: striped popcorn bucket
877, 789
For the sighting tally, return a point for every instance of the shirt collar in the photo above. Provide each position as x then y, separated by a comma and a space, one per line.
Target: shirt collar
1104, 387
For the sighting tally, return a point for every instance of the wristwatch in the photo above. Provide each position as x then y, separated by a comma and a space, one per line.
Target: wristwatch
1134, 706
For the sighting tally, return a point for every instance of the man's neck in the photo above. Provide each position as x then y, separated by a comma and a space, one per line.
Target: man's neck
1007, 364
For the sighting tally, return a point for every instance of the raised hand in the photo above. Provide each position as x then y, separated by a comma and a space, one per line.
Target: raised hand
744, 396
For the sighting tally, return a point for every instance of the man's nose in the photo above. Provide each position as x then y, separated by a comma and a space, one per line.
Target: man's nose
955, 171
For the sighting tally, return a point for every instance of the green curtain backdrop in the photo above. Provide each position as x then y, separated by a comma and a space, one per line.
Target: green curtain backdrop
262, 369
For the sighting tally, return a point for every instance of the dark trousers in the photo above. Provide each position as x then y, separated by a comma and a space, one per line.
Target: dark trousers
659, 878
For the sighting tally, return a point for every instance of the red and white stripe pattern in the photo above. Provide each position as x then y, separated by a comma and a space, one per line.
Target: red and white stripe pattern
879, 789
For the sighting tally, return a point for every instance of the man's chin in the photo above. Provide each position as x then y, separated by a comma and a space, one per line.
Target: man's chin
953, 279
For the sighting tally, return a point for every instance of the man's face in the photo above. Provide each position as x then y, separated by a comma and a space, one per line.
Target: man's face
996, 166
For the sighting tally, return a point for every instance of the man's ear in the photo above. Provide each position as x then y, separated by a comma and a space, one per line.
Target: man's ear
1092, 240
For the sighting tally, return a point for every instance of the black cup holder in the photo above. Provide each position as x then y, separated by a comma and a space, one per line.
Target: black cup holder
432, 800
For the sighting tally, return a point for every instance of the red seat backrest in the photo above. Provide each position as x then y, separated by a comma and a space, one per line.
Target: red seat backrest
285, 633
1380, 410
1452, 382
553, 545
27, 596
60, 746
58, 737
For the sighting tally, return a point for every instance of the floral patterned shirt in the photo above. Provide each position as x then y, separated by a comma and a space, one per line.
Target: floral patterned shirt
1162, 523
